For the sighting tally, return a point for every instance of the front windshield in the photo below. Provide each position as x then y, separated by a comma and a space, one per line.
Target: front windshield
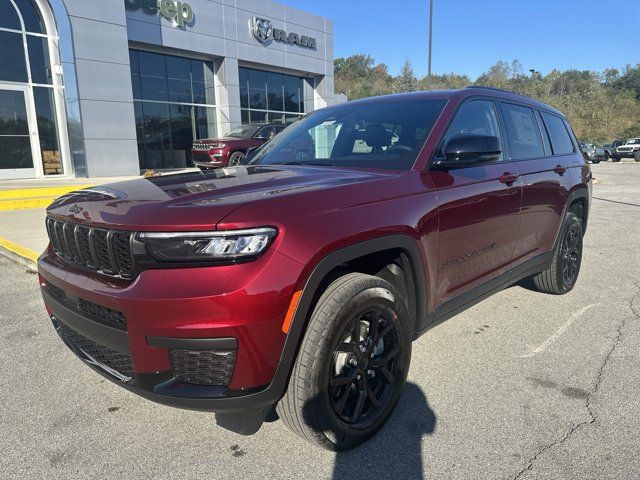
380, 134
245, 131
633, 141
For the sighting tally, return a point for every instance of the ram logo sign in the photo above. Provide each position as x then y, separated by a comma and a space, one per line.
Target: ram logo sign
264, 32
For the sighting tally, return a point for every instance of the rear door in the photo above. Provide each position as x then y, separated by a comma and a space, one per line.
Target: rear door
479, 209
533, 137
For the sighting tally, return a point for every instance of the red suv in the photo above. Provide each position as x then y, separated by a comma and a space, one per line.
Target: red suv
295, 285
231, 149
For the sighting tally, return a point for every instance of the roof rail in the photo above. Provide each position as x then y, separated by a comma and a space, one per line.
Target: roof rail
491, 88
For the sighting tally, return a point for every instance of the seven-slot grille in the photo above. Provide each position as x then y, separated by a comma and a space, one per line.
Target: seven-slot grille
202, 146
106, 251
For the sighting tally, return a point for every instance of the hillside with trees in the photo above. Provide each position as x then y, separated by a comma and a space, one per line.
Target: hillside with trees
601, 106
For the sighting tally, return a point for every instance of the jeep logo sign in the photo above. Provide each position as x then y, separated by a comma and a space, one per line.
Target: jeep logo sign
264, 32
179, 12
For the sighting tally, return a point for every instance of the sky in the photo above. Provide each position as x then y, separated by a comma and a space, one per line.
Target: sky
471, 35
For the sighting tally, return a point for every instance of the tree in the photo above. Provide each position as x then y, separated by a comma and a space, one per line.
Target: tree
601, 106
406, 81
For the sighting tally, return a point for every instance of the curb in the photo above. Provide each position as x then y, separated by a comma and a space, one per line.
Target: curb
19, 254
37, 197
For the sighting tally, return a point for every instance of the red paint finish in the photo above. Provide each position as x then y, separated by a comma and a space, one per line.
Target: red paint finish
469, 225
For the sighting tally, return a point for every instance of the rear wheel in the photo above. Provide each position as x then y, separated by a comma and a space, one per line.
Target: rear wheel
636, 156
352, 364
562, 274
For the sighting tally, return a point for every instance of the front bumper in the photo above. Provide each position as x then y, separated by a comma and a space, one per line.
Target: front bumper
627, 154
216, 159
207, 309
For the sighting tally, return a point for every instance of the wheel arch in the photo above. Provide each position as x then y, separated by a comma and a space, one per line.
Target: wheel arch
578, 203
321, 274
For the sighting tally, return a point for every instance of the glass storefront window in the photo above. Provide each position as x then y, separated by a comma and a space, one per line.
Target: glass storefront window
39, 60
31, 15
25, 62
174, 105
9, 18
48, 130
13, 64
270, 97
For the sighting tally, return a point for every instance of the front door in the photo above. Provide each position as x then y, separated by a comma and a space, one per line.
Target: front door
479, 209
19, 148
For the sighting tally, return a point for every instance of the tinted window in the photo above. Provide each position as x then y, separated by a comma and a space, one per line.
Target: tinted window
386, 135
477, 117
522, 132
560, 140
39, 60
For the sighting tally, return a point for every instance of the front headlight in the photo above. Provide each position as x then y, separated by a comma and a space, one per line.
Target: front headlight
208, 246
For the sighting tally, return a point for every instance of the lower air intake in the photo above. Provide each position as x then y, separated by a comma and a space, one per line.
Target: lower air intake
203, 367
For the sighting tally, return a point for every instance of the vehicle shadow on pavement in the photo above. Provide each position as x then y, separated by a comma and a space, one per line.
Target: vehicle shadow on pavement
396, 451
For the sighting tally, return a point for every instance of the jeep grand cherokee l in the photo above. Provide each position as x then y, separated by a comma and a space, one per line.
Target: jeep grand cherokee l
231, 149
294, 286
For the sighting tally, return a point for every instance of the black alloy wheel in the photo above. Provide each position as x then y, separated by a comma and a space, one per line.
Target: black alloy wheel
364, 367
571, 254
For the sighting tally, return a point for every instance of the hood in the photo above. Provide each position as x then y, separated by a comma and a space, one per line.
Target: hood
196, 200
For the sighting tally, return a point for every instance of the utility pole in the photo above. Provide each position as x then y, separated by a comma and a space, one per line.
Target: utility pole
430, 35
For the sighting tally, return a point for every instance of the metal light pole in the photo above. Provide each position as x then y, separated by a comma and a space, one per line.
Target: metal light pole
430, 35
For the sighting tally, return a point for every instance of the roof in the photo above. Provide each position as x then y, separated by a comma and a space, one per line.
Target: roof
460, 94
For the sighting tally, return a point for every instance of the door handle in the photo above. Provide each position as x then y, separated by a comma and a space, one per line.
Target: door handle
508, 177
560, 169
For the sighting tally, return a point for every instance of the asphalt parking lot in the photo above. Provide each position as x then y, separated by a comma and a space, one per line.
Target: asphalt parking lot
523, 385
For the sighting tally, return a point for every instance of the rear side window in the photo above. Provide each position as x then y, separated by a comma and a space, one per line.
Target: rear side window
522, 132
560, 139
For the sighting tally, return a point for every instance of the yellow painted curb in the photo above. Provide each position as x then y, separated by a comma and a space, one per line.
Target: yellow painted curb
40, 191
19, 250
25, 203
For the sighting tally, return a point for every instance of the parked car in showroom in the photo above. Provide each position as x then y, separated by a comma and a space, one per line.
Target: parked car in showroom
293, 286
231, 149
610, 149
631, 149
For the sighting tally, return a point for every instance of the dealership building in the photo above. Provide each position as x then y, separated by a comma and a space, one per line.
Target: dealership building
92, 88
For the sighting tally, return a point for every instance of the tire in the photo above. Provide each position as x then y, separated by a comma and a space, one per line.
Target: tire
615, 159
562, 274
236, 159
606, 156
595, 161
636, 156
322, 400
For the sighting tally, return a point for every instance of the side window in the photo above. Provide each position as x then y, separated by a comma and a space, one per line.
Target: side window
560, 140
522, 132
264, 132
477, 117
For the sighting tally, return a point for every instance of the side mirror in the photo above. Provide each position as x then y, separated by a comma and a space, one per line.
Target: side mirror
468, 150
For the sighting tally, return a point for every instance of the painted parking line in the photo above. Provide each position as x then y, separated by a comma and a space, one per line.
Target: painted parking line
557, 334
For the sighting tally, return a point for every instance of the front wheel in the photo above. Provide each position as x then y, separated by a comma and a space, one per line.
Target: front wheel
636, 156
352, 364
562, 274
236, 159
